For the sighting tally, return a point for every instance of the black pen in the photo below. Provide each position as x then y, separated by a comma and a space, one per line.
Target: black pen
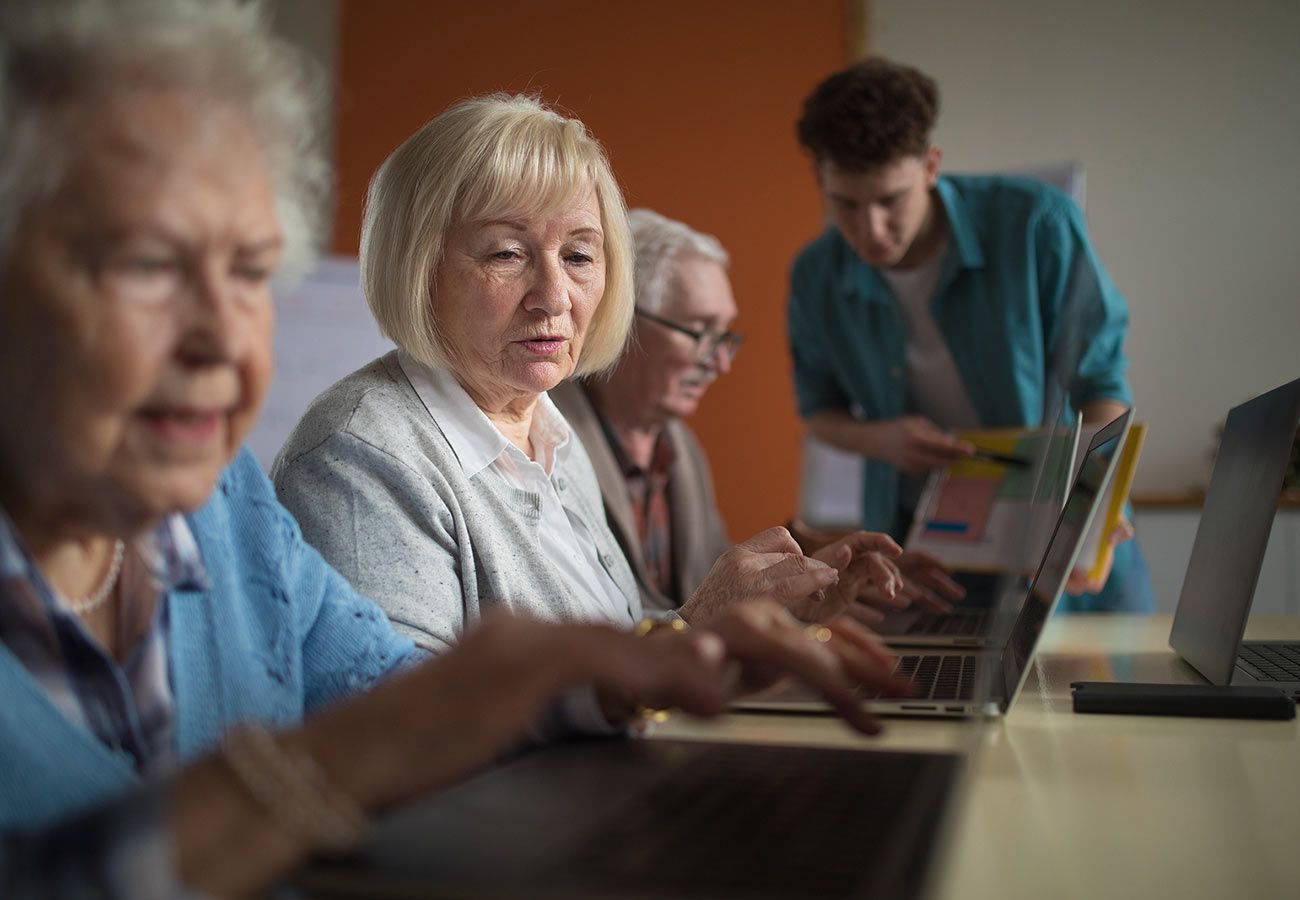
1001, 459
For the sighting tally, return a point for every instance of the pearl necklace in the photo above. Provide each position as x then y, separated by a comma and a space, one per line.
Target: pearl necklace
94, 601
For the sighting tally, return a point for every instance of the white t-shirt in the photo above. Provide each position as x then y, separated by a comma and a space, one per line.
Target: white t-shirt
934, 386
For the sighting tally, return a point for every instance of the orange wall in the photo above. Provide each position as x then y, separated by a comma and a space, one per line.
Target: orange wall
695, 101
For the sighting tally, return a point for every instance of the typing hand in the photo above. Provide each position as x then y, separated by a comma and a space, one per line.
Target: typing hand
766, 644
926, 581
869, 579
769, 565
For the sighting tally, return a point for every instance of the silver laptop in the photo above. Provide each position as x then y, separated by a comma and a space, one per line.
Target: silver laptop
982, 617
955, 683
1229, 549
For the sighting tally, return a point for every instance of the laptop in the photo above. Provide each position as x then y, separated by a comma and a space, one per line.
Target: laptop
973, 622
957, 683
985, 613
1228, 551
662, 818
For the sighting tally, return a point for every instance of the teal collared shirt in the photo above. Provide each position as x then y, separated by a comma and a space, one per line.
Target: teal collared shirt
1021, 296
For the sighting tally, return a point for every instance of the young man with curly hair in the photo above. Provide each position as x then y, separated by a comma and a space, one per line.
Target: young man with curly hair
938, 302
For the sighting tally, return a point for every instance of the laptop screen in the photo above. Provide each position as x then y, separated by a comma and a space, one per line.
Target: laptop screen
1233, 532
1090, 480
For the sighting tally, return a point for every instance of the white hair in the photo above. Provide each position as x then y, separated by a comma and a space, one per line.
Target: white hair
659, 241
59, 54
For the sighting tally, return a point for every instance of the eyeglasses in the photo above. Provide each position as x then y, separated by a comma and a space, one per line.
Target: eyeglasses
707, 343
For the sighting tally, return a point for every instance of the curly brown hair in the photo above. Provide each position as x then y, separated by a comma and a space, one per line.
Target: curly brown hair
870, 114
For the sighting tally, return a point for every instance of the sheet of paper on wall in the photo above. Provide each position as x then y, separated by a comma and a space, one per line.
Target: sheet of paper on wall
994, 512
324, 331
830, 492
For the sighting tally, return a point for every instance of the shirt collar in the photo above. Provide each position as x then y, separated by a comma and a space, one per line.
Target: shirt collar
661, 460
858, 277
172, 556
550, 433
476, 442
14, 562
961, 227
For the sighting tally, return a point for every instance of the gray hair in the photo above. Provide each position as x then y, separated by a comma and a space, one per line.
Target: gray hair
484, 158
660, 240
58, 54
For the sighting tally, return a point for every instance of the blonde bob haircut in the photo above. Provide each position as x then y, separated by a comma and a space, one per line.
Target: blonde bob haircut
499, 156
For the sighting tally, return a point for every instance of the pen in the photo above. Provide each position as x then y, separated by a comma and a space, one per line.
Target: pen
1001, 459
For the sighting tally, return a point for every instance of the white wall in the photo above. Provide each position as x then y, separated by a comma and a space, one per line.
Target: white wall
1185, 115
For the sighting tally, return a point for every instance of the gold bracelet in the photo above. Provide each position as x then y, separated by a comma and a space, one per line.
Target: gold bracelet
649, 625
649, 715
293, 788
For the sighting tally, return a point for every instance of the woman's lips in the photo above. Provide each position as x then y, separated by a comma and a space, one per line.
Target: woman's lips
543, 346
186, 427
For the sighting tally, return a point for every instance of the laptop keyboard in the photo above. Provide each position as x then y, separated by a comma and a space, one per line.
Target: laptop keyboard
936, 677
949, 623
1273, 662
764, 821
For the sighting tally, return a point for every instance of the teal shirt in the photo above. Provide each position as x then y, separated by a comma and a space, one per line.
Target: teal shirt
1021, 297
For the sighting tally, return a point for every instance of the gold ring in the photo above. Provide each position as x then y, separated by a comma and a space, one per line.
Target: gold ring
819, 633
649, 714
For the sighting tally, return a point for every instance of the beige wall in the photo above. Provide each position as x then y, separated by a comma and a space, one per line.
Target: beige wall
1185, 115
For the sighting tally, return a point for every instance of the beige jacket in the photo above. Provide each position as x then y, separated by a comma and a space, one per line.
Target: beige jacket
699, 536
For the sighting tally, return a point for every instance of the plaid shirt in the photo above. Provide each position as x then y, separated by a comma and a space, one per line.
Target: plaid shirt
126, 706
647, 490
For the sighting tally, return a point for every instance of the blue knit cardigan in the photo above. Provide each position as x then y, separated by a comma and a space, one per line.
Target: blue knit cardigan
278, 635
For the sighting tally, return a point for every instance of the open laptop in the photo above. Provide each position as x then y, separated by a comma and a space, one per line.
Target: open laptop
984, 614
661, 818
1228, 552
956, 683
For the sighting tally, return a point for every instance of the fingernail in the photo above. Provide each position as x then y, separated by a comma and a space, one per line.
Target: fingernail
710, 648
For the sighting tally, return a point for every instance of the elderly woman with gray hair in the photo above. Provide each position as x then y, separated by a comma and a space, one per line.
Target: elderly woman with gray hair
441, 479
193, 698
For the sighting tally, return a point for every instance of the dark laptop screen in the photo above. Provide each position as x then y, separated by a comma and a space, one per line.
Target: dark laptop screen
1233, 532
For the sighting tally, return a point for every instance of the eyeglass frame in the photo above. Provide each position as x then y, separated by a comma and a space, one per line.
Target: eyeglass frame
730, 340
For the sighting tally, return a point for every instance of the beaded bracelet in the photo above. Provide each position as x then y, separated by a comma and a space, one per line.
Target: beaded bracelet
291, 786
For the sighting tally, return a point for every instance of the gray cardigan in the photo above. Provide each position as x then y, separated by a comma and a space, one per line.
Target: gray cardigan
379, 492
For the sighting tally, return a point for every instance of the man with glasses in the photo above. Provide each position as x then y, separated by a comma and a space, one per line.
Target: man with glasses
653, 474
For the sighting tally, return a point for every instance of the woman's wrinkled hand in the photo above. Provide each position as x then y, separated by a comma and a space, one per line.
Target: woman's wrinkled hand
927, 582
869, 579
765, 644
432, 724
771, 565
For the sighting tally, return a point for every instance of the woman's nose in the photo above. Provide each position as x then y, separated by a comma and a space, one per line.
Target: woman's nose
549, 292
215, 326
